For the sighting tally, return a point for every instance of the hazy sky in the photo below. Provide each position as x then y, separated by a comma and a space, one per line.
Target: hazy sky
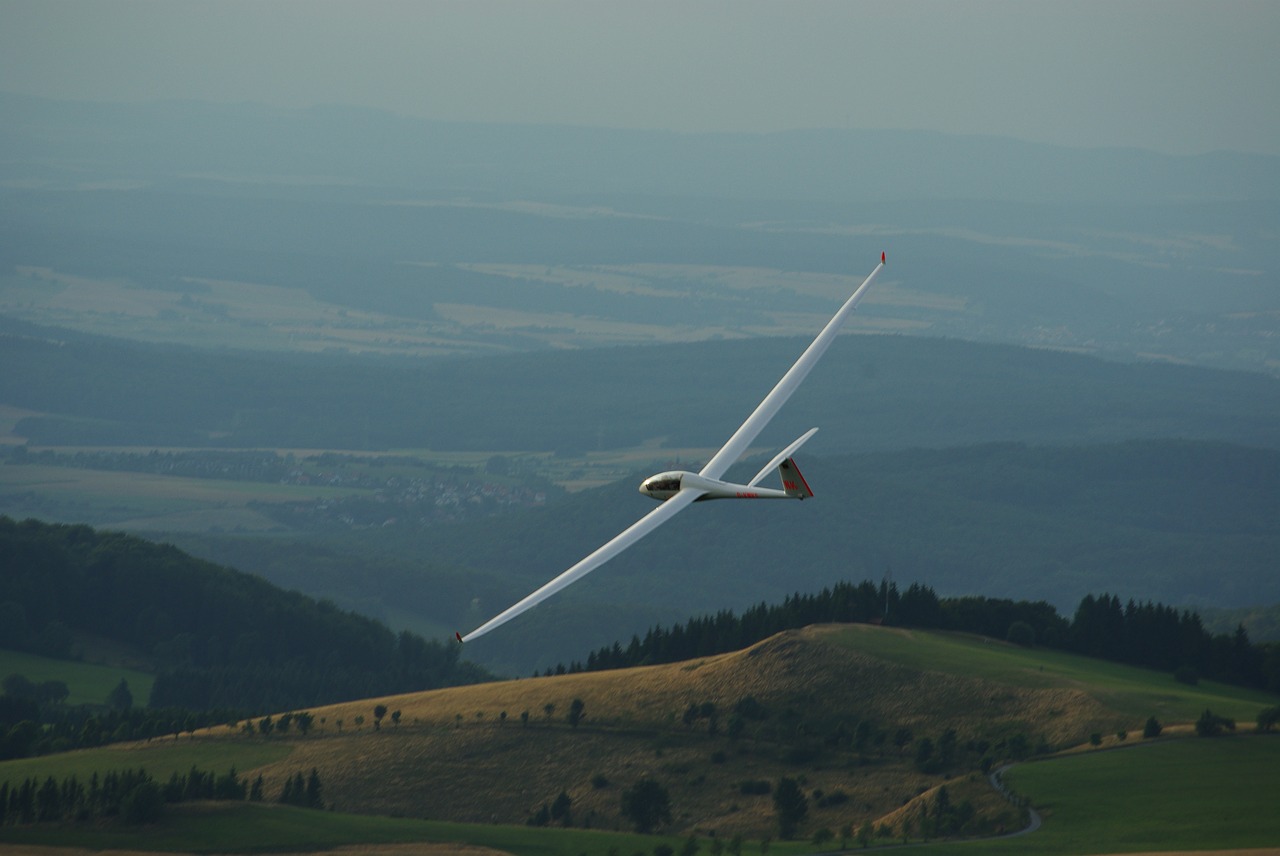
1175, 75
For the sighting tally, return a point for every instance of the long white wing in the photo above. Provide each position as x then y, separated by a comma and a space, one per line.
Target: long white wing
715, 468
629, 536
745, 435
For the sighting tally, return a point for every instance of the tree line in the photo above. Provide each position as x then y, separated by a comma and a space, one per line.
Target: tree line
35, 722
1141, 634
134, 796
219, 638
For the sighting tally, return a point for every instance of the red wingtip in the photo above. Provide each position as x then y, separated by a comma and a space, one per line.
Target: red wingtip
458, 635
882, 261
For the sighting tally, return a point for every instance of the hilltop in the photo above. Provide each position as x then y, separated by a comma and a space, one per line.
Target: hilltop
827, 705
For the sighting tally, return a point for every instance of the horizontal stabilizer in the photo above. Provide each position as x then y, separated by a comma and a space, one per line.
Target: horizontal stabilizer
782, 456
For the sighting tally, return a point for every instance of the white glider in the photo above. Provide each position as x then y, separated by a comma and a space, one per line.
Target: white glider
676, 490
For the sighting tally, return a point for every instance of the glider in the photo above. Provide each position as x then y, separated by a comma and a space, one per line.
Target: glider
677, 490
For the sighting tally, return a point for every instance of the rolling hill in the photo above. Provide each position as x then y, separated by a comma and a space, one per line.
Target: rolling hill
802, 699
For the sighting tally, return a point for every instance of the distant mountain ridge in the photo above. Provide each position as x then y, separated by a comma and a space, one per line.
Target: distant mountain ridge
253, 143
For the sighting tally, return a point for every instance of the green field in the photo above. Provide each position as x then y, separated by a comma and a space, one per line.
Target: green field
161, 758
244, 827
89, 683
1188, 794
1127, 689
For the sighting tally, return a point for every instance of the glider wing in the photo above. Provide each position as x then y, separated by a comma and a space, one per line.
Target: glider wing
715, 468
629, 536
767, 409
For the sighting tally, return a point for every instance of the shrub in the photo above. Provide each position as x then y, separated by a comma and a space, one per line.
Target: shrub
832, 799
647, 804
1210, 724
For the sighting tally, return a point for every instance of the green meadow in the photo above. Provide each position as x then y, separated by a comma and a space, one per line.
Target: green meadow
249, 828
160, 757
1129, 690
88, 683
1186, 794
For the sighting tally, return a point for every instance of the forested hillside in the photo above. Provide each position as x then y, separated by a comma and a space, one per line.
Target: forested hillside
218, 638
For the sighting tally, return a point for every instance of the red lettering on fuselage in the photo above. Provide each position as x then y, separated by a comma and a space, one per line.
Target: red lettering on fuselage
745, 495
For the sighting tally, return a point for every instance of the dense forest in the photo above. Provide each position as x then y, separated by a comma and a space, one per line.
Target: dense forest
218, 638
1141, 634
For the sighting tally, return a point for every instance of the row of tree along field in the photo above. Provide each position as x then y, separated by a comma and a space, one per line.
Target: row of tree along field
1141, 634
35, 721
136, 797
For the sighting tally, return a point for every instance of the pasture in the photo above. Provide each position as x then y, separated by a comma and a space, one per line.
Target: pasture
161, 757
88, 683
1129, 690
1194, 793
254, 828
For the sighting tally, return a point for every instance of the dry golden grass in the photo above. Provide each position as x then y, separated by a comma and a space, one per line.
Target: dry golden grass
453, 756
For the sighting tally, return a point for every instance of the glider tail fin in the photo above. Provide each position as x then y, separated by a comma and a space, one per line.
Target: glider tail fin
793, 482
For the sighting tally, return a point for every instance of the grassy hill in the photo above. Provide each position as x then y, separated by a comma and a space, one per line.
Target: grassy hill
453, 756
453, 759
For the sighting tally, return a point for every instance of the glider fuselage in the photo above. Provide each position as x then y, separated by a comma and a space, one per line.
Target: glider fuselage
663, 486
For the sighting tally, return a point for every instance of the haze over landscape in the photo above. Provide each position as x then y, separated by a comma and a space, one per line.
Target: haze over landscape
393, 305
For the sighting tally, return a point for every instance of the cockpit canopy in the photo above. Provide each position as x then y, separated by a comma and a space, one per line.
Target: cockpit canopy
662, 483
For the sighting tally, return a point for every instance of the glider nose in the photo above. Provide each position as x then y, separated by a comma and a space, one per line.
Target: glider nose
661, 487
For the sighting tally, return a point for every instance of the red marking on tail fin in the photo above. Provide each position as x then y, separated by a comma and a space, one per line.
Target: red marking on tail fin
882, 261
457, 634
